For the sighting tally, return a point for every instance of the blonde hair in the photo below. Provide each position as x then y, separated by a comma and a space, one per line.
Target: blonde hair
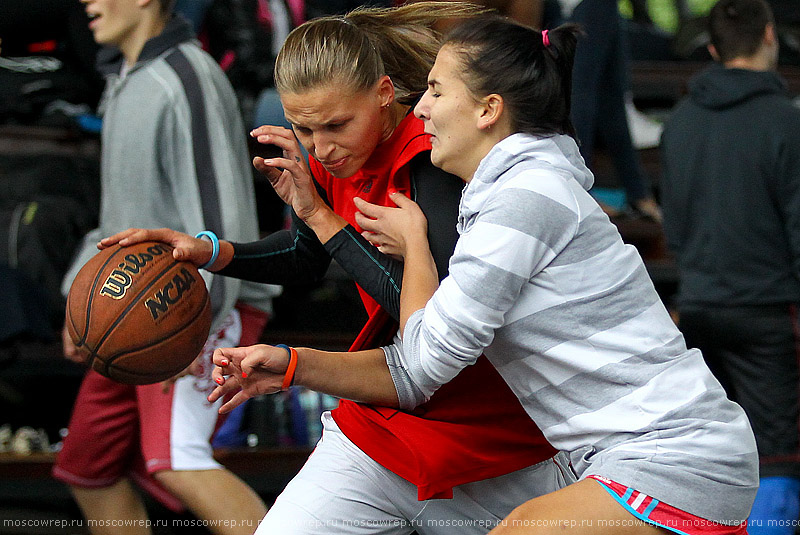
358, 48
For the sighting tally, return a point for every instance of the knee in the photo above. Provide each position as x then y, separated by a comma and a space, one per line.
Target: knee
517, 520
173, 480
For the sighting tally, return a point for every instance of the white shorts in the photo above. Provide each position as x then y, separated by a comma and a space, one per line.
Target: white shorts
341, 490
121, 430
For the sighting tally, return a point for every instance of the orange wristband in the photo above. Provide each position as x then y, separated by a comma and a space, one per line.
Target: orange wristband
288, 377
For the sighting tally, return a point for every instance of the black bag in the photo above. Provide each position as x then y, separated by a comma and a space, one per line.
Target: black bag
47, 205
39, 238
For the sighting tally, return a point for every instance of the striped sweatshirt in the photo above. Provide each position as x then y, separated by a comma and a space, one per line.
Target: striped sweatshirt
542, 284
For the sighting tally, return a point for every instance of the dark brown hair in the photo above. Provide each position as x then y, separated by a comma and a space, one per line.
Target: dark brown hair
532, 71
737, 27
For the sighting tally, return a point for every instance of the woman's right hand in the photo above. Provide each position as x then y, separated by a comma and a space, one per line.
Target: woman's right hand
393, 230
186, 248
289, 175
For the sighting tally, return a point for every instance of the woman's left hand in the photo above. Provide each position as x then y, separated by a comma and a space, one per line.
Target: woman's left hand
246, 372
393, 230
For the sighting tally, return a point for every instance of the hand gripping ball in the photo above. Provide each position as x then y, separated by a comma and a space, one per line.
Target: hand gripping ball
141, 315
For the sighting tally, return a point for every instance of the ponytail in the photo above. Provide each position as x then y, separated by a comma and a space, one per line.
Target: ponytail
365, 44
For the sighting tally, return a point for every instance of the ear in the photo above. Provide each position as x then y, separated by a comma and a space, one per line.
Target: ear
491, 110
713, 51
770, 35
385, 89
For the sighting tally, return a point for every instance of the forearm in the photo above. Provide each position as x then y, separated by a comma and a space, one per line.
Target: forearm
376, 273
283, 257
224, 258
325, 223
420, 279
360, 376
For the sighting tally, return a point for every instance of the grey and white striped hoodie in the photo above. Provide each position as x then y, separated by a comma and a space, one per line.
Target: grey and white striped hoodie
542, 283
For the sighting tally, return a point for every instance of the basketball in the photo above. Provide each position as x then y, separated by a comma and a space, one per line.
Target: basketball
142, 315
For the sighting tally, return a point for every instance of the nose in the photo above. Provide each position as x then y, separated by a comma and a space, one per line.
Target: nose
422, 109
323, 146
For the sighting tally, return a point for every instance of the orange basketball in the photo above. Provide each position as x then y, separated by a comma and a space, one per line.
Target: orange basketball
142, 315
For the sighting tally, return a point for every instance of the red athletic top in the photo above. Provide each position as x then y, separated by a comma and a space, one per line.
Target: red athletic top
473, 427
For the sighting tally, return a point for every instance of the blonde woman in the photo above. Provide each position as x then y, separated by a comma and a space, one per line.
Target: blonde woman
467, 457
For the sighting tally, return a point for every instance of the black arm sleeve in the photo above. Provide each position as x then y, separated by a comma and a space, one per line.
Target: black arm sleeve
292, 256
438, 194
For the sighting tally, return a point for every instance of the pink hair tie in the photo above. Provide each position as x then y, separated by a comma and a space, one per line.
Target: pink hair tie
545, 38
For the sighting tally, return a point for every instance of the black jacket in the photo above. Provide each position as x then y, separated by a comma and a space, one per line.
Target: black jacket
731, 189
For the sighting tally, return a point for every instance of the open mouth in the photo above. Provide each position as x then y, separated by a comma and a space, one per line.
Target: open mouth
93, 18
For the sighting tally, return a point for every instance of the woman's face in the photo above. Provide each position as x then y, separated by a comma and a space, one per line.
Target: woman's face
451, 114
338, 126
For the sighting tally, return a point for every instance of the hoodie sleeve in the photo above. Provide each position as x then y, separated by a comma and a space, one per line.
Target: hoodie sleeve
519, 231
787, 196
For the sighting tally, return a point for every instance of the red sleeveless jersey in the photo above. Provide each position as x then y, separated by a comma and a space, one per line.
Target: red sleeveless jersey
472, 428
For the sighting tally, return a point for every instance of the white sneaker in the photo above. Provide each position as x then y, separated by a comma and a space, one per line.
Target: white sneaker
645, 132
28, 440
5, 438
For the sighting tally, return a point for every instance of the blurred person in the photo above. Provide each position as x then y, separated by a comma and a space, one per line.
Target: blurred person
600, 84
731, 194
173, 153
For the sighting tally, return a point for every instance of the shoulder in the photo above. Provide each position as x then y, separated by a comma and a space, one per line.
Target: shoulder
533, 180
785, 111
187, 81
410, 140
535, 200
422, 168
184, 69
772, 121
319, 174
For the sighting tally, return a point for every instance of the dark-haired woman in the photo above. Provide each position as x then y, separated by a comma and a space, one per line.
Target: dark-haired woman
542, 284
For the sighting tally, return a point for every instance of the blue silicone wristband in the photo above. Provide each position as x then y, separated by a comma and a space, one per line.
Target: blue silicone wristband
214, 247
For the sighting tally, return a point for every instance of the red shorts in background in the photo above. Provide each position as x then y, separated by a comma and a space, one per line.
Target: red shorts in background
119, 430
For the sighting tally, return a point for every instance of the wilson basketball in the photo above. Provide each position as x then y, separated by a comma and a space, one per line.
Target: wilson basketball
142, 315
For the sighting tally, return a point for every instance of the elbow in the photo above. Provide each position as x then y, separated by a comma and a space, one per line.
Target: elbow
390, 400
319, 269
407, 395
